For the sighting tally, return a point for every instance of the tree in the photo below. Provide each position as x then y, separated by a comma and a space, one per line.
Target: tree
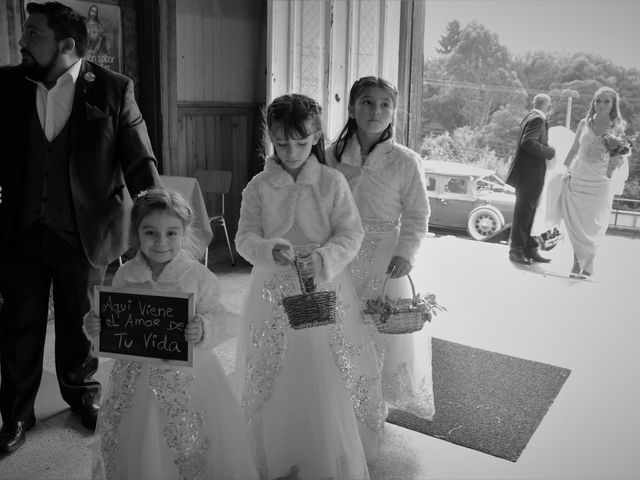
475, 56
476, 94
478, 55
450, 39
501, 134
538, 70
465, 145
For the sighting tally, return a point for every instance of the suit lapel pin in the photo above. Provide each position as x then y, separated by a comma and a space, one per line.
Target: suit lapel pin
89, 77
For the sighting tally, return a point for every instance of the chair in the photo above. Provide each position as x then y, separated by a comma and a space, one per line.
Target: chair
215, 182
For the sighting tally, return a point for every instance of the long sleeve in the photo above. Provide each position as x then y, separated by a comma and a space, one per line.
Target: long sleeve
250, 239
415, 212
319, 201
530, 140
134, 146
347, 232
211, 311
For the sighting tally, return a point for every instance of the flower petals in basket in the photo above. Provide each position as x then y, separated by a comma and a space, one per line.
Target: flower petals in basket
549, 239
403, 315
310, 308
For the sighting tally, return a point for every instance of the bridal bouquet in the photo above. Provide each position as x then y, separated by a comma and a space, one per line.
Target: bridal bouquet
616, 146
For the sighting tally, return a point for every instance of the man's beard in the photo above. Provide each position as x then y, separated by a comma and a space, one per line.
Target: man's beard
38, 72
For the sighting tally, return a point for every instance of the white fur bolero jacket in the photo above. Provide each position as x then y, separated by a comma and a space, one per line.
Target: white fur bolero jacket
389, 186
319, 201
182, 274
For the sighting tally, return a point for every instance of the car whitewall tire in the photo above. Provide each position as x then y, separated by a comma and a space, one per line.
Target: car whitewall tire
484, 221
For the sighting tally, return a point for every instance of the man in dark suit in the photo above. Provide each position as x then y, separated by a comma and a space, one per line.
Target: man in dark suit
526, 174
72, 138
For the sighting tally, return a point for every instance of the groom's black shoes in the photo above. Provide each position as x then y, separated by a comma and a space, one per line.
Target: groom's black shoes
14, 434
537, 258
88, 415
519, 257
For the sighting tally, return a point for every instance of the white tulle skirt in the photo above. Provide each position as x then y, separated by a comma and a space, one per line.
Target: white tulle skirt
172, 423
406, 359
296, 385
548, 215
586, 211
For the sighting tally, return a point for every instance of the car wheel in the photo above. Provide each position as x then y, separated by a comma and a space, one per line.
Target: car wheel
484, 221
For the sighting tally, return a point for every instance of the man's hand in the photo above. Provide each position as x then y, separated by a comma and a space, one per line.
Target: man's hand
91, 325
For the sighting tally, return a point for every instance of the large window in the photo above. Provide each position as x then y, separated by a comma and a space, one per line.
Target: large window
456, 185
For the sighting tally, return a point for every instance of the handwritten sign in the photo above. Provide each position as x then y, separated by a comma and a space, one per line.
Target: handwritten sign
144, 325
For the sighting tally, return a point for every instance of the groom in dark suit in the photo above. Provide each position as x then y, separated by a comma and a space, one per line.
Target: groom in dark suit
526, 174
72, 139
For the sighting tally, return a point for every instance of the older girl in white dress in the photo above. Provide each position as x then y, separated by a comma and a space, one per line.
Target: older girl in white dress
588, 189
387, 183
296, 384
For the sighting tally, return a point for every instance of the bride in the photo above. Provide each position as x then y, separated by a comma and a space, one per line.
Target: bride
587, 191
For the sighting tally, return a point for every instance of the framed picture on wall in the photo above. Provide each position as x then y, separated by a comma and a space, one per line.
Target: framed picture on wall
104, 30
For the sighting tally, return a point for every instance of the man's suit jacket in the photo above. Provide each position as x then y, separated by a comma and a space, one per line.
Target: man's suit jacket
528, 168
110, 149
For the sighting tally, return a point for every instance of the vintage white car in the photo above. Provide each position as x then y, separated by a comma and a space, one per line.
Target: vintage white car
468, 197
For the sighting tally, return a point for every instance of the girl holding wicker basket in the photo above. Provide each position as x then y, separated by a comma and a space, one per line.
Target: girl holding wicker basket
387, 183
300, 228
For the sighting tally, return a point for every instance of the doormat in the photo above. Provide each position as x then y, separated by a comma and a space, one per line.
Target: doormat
485, 400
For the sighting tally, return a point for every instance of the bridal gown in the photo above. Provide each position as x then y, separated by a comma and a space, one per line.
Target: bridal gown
587, 196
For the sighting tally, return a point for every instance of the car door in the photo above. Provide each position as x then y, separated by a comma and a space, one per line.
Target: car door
455, 201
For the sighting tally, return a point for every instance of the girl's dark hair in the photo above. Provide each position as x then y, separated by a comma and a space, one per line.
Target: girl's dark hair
65, 23
293, 112
351, 127
160, 199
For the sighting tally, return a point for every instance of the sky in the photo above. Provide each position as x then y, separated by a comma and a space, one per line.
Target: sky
610, 28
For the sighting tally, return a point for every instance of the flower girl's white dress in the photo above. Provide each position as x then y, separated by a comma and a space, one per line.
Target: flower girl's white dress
163, 422
389, 191
296, 385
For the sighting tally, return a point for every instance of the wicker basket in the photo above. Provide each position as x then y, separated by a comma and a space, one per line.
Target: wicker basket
549, 239
310, 308
404, 315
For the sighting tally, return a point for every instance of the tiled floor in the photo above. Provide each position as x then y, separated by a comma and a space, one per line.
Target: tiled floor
537, 313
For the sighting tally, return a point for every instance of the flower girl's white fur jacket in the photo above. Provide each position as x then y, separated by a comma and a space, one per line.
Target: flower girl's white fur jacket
319, 200
182, 274
389, 186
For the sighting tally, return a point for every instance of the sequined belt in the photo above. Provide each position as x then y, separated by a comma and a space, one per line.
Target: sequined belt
375, 225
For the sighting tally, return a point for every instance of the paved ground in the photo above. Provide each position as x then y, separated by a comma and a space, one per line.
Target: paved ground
537, 313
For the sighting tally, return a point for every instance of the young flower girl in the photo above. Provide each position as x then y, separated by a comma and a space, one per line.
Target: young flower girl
296, 384
168, 422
